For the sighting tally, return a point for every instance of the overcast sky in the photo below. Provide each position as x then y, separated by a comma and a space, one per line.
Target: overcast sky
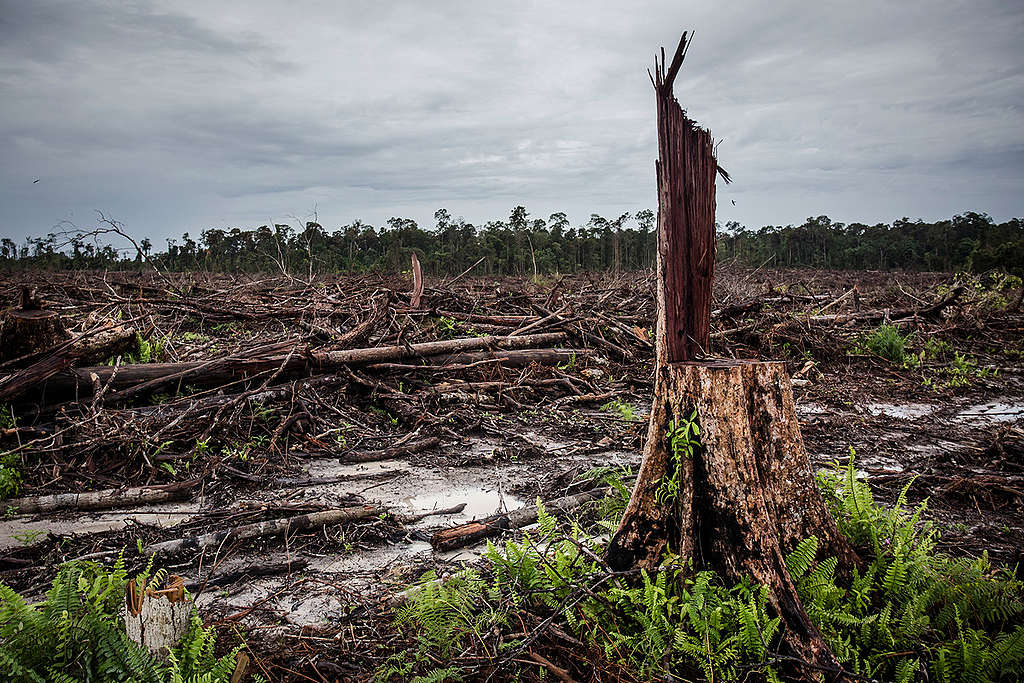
179, 116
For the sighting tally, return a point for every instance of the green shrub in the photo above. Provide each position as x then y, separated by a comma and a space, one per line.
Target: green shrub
10, 475
887, 342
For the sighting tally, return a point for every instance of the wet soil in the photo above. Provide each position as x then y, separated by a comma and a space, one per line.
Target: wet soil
314, 603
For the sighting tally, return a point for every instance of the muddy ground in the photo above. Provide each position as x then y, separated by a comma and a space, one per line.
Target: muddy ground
275, 443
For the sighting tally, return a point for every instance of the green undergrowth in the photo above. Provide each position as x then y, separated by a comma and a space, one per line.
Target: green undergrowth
910, 613
887, 342
77, 633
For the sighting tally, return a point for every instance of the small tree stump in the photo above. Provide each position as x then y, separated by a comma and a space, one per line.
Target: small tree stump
158, 619
24, 333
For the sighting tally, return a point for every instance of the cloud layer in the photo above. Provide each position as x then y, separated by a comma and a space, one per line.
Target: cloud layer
179, 116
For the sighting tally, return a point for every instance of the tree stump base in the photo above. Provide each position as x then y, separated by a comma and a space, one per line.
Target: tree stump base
25, 332
157, 619
744, 497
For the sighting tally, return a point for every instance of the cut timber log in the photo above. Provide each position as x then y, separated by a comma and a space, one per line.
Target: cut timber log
508, 359
392, 353
261, 529
100, 500
474, 532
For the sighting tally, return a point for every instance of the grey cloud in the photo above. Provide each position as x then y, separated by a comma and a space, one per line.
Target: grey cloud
180, 116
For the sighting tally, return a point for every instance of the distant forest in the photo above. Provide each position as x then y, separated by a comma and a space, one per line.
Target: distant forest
523, 245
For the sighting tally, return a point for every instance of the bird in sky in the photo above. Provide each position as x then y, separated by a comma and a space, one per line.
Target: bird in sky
36, 181
734, 202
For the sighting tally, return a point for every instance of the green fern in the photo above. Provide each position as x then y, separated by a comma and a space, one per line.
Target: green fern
77, 634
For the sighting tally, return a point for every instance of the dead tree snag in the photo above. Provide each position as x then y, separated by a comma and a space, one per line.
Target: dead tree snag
740, 494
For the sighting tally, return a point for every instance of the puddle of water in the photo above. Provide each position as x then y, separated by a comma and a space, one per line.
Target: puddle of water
811, 409
480, 502
995, 411
905, 411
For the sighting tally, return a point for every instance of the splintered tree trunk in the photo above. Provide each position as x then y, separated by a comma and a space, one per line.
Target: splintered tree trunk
745, 494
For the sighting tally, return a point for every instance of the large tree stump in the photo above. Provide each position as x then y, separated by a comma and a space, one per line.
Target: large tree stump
745, 498
741, 494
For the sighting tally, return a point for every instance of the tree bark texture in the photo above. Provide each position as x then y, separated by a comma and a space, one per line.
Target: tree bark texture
747, 495
686, 224
25, 332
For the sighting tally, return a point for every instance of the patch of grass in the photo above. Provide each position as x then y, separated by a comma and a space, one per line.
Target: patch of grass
569, 365
887, 342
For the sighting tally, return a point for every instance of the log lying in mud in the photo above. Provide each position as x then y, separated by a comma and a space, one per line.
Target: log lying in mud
160, 375
261, 529
392, 453
474, 532
100, 500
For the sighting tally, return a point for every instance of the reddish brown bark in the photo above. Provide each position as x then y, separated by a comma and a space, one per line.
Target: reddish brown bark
743, 494
686, 222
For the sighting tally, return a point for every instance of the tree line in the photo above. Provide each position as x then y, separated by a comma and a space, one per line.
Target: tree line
525, 245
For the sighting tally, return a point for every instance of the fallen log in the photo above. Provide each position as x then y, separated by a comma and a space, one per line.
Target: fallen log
329, 359
100, 344
476, 531
79, 380
261, 529
100, 500
392, 453
508, 359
